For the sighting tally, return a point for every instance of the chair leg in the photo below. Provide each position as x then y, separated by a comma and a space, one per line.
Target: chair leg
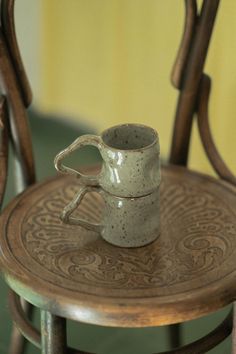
175, 335
18, 342
234, 330
53, 333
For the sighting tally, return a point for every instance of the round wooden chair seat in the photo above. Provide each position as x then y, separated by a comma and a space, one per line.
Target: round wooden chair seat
189, 271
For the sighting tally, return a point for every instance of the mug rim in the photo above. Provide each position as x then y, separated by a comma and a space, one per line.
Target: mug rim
155, 141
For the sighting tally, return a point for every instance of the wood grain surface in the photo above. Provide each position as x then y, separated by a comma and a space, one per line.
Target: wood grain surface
74, 273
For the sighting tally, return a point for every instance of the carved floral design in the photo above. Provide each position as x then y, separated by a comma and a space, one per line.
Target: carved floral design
197, 237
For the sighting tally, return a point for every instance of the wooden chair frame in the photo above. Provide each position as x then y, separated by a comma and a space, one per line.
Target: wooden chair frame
194, 90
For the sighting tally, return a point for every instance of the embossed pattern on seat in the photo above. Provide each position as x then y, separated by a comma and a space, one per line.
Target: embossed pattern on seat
194, 256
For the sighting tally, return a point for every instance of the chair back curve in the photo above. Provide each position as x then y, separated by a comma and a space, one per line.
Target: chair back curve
15, 98
194, 86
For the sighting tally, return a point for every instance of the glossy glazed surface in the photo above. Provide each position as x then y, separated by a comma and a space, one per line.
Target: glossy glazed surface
131, 160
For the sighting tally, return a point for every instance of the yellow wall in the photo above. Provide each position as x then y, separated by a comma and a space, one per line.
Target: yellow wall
29, 31
109, 61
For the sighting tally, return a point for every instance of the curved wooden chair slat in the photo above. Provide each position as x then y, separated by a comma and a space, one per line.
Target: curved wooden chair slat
8, 26
210, 148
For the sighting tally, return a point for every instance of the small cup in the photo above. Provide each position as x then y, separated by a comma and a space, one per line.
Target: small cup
125, 222
131, 160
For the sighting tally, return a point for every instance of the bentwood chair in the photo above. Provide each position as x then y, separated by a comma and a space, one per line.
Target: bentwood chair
71, 273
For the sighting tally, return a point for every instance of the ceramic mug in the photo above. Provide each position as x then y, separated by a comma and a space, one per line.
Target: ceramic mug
125, 222
131, 160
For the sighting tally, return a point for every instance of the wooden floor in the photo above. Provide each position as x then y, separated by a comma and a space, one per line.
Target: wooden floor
49, 138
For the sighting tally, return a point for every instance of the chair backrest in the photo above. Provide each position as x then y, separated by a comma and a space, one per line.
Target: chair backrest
188, 71
15, 97
194, 86
187, 76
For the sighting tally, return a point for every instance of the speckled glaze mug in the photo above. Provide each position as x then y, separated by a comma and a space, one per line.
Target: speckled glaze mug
125, 222
131, 160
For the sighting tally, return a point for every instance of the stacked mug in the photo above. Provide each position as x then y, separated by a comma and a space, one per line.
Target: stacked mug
129, 183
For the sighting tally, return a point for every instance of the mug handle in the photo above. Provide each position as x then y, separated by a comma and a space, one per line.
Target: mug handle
69, 208
83, 140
